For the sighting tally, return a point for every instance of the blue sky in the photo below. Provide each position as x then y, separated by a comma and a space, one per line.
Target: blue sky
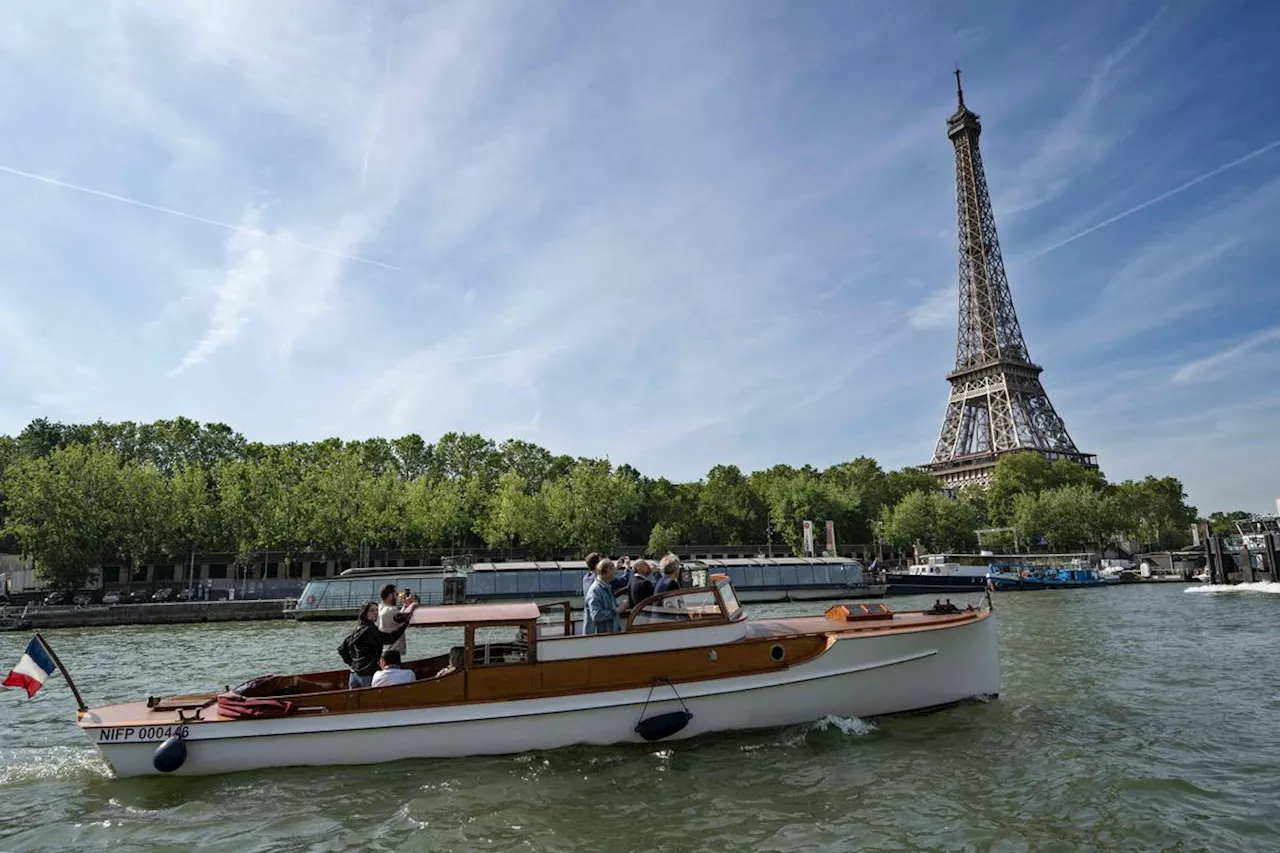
670, 234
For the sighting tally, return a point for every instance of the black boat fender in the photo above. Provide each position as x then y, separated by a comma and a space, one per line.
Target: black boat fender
661, 726
170, 754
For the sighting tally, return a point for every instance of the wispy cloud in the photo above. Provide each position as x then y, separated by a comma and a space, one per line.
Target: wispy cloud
1137, 208
253, 232
938, 311
1215, 365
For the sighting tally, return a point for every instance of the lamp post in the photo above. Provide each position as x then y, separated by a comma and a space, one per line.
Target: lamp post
768, 535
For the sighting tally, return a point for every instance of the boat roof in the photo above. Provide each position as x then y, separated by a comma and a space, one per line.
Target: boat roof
473, 614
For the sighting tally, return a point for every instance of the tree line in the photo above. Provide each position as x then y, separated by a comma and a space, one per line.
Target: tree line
82, 496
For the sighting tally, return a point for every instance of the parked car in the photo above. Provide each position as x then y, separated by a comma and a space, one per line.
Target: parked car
163, 594
182, 595
137, 597
54, 599
111, 598
83, 599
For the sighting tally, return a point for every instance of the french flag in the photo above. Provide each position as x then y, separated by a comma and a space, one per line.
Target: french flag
33, 670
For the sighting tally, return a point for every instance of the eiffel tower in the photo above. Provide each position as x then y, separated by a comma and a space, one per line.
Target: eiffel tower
997, 404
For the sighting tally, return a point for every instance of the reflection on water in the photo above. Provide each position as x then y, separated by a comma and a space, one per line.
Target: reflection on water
1131, 718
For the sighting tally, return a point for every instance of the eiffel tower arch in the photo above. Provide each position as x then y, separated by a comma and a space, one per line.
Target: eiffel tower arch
997, 405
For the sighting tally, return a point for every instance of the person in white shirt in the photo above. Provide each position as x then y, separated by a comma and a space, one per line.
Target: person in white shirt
391, 672
391, 616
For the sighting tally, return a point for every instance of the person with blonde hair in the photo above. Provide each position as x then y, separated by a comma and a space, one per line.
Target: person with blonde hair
600, 610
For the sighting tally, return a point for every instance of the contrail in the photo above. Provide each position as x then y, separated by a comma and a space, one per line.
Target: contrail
377, 117
1188, 185
194, 218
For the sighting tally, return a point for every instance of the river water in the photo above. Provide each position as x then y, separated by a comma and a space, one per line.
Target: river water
1131, 718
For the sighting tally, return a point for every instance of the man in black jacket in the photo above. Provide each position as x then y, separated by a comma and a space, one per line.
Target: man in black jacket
362, 648
641, 586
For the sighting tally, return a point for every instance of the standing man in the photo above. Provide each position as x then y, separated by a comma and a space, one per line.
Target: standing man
641, 583
600, 610
391, 616
593, 560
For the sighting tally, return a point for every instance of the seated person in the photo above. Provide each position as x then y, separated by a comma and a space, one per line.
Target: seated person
391, 672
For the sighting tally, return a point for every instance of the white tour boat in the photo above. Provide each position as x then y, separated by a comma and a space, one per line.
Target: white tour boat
689, 662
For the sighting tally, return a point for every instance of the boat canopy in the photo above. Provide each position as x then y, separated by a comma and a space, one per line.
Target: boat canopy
474, 614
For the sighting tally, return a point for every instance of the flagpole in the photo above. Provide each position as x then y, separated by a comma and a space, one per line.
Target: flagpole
48, 648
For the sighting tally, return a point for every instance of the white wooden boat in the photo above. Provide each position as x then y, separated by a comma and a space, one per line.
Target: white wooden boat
690, 662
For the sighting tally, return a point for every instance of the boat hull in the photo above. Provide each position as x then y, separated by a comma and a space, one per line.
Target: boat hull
854, 677
905, 584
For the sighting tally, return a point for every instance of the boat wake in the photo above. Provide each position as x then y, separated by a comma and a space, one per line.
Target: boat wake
53, 763
1270, 587
852, 726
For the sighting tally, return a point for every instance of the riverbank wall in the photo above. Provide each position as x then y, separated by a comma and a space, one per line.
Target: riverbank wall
175, 613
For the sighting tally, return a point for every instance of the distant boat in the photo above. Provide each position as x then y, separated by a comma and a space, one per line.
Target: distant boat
1011, 577
937, 573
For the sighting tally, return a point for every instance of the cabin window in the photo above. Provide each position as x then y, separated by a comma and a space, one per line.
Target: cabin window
499, 644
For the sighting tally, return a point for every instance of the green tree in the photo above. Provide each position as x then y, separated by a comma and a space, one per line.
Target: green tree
930, 521
57, 509
662, 540
1068, 517
192, 517
1224, 523
508, 510
141, 516
728, 510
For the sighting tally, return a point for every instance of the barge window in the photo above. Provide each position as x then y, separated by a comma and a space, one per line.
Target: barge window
804, 575
507, 583
822, 575
772, 576
527, 582
788, 574
481, 583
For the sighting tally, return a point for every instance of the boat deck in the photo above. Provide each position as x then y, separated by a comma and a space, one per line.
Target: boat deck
809, 625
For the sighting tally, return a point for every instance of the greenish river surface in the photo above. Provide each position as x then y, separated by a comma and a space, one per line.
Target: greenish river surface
1131, 718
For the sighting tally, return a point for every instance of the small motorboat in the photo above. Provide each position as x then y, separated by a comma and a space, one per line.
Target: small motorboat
689, 662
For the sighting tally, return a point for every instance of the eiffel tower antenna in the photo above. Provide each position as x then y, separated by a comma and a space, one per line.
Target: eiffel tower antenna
997, 404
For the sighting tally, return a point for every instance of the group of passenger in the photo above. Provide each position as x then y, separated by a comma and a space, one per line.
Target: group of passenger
605, 579
374, 649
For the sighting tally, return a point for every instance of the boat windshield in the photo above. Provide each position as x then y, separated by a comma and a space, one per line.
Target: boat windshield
729, 597
678, 606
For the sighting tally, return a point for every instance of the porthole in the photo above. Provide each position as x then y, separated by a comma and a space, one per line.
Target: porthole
777, 653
